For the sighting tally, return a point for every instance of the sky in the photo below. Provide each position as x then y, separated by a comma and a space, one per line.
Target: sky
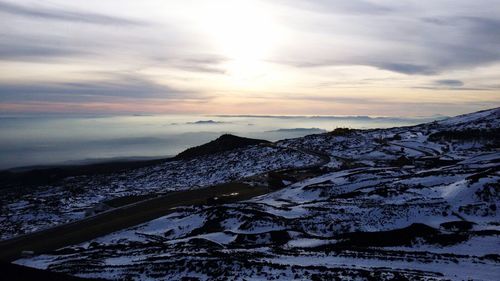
323, 57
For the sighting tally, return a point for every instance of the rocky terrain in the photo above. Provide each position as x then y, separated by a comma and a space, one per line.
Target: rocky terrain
409, 203
24, 210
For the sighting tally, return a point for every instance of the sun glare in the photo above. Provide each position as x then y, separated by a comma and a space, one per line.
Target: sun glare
242, 32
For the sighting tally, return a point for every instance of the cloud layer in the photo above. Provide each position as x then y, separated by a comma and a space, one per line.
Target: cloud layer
354, 57
46, 13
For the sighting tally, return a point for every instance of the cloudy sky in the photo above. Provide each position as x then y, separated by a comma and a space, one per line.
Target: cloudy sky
249, 57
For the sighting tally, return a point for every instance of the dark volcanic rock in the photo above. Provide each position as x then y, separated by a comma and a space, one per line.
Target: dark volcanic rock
401, 237
223, 143
19, 272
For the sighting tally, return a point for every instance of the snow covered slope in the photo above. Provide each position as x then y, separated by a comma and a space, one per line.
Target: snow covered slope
410, 203
27, 210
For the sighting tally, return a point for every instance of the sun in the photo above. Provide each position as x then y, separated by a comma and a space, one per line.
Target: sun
245, 33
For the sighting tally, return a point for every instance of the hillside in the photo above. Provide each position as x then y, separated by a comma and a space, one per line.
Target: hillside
409, 203
30, 208
224, 143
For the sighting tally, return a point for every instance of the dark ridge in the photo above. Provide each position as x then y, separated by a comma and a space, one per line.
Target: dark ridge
457, 225
341, 132
223, 143
18, 272
401, 237
275, 237
51, 174
489, 134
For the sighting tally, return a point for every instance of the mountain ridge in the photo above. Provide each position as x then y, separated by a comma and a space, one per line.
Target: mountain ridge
225, 142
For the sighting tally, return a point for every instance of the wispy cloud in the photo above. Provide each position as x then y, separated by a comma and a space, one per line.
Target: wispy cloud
111, 90
357, 7
13, 47
58, 14
450, 83
455, 85
407, 68
205, 64
395, 36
